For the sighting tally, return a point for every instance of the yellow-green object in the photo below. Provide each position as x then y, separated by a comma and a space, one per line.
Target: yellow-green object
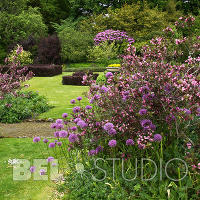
114, 65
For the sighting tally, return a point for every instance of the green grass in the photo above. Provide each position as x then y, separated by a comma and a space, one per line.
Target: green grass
20, 148
57, 94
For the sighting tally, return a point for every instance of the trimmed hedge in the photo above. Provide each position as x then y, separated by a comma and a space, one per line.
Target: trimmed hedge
85, 69
76, 78
40, 70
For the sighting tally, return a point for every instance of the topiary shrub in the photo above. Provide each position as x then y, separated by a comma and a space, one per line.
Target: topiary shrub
101, 79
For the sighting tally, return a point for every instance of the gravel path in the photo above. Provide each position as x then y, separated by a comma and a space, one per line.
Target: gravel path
26, 129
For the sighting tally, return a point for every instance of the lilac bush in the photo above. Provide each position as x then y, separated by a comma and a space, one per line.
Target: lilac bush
12, 79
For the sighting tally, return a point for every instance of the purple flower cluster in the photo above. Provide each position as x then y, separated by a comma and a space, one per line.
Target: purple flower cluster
111, 36
109, 128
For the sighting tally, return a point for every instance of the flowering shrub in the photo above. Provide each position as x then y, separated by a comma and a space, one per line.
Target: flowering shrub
12, 80
20, 55
112, 36
145, 110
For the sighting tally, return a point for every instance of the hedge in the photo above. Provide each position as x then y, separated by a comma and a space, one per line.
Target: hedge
40, 70
85, 69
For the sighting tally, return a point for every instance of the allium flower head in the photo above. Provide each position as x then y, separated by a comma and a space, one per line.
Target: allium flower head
73, 101
129, 142
51, 145
112, 143
45, 140
76, 109
42, 172
59, 126
74, 128
36, 139
63, 134
59, 121
82, 124
64, 115
157, 137
112, 131
103, 89
59, 143
77, 119
108, 126
32, 169
79, 98
50, 159
53, 125
57, 134
109, 74
88, 107
188, 112
73, 138
146, 123
99, 149
143, 111
91, 152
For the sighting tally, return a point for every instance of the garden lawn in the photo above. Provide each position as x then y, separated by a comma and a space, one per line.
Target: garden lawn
58, 95
20, 148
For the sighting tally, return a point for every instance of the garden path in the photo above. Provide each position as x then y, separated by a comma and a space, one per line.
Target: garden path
26, 129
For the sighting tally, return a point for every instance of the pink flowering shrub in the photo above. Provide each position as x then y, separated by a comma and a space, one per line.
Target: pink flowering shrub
11, 80
150, 100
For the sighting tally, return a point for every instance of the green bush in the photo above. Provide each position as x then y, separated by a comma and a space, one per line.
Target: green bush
25, 105
85, 69
103, 53
74, 45
15, 28
139, 22
101, 79
24, 57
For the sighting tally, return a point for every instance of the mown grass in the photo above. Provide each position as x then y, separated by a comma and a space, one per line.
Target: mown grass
58, 95
20, 148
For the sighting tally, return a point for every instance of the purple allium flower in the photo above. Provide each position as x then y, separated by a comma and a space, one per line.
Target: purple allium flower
51, 145
57, 134
146, 123
36, 139
59, 126
32, 169
188, 112
59, 143
79, 98
76, 109
98, 149
109, 74
59, 121
153, 127
143, 111
98, 123
198, 110
53, 125
96, 97
63, 134
73, 101
45, 140
42, 172
55, 141
91, 152
74, 128
92, 101
112, 143
50, 159
129, 142
108, 126
73, 138
103, 89
88, 107
76, 120
82, 124
112, 131
157, 137
64, 115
